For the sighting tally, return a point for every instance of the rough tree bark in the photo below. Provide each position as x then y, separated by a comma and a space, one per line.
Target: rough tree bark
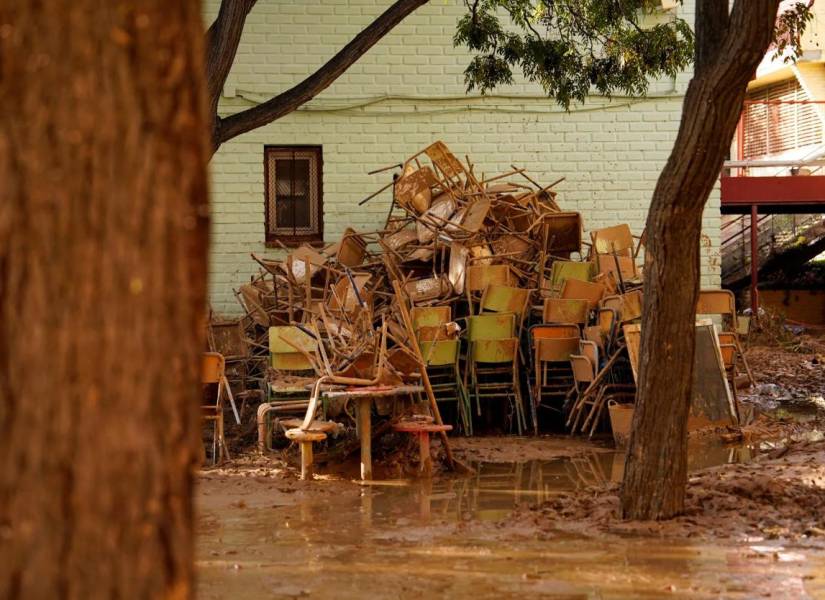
222, 42
103, 240
729, 48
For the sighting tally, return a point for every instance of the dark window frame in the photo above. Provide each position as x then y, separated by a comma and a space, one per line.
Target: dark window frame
275, 239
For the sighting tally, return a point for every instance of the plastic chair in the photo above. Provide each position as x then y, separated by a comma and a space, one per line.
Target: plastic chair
213, 371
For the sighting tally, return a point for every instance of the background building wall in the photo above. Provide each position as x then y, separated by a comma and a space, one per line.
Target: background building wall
407, 92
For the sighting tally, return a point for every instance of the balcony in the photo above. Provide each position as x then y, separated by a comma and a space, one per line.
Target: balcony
780, 155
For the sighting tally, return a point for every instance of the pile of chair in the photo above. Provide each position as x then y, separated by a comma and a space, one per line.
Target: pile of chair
482, 283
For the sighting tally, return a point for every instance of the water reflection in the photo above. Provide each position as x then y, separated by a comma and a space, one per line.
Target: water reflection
408, 539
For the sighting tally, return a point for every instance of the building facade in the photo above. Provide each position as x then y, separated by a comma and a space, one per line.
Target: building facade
405, 93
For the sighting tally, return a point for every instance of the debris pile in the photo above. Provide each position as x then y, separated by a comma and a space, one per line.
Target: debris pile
478, 291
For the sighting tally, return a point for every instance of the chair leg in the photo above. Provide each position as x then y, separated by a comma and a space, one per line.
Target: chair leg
224, 449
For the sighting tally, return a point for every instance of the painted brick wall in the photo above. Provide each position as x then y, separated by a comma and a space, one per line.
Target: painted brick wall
405, 93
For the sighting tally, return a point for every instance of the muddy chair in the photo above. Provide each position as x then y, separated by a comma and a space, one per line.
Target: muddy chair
492, 362
565, 310
479, 277
441, 355
290, 352
213, 372
722, 303
551, 347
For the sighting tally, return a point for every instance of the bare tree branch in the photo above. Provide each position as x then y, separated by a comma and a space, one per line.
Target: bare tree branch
222, 39
286, 102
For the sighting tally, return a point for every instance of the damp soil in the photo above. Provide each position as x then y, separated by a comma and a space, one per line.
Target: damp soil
500, 533
537, 517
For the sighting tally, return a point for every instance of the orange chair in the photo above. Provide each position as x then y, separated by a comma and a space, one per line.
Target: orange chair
722, 303
213, 371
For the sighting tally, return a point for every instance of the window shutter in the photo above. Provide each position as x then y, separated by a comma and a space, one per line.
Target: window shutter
776, 119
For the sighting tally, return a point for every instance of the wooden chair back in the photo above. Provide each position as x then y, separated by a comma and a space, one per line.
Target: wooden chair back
556, 349
617, 238
553, 331
575, 289
491, 327
717, 302
583, 371
284, 344
213, 368
565, 310
505, 299
480, 276
495, 351
430, 316
439, 353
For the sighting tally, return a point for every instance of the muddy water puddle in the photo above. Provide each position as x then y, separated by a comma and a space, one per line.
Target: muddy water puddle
451, 538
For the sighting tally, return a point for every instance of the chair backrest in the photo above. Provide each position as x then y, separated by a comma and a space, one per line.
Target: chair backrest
583, 290
562, 270
556, 349
626, 265
583, 371
480, 276
439, 353
590, 349
728, 355
617, 238
594, 334
491, 327
565, 310
213, 368
564, 232
504, 299
607, 319
717, 302
628, 306
547, 332
284, 341
430, 316
495, 351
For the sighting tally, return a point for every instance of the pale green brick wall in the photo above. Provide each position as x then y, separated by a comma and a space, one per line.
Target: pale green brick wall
611, 154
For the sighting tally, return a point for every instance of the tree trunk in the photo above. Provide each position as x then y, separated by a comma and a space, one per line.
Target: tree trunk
655, 477
103, 240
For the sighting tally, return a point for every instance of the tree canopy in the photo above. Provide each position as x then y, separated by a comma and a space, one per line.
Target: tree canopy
573, 47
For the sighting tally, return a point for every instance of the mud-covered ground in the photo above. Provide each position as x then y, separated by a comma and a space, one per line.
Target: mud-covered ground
538, 516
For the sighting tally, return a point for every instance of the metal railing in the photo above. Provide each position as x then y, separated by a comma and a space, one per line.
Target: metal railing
775, 233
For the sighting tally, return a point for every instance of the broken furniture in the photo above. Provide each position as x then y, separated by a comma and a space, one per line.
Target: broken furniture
305, 439
213, 372
421, 428
364, 397
292, 374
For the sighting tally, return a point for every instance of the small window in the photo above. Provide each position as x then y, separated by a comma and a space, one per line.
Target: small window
294, 208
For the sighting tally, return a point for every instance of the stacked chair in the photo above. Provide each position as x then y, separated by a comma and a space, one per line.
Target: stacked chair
440, 350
